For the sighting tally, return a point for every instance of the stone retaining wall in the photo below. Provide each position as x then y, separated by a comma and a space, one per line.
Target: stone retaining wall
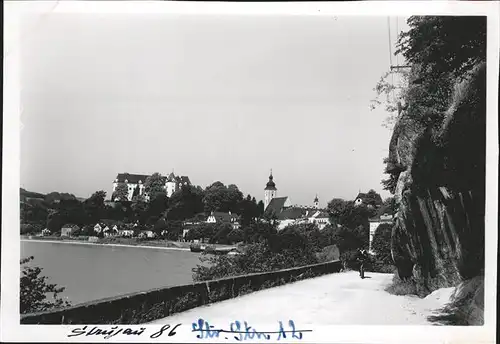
159, 303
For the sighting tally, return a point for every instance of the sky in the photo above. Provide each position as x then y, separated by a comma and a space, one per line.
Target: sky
216, 98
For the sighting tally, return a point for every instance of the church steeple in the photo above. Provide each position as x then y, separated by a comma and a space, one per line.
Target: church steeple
316, 202
270, 184
270, 190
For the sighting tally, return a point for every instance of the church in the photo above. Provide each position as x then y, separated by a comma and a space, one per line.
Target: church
289, 214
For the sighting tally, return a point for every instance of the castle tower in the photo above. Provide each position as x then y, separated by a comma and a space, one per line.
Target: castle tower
269, 191
316, 202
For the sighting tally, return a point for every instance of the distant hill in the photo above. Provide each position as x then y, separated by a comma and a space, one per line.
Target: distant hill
30, 194
50, 197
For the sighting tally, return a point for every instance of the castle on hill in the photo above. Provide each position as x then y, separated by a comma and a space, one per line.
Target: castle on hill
133, 181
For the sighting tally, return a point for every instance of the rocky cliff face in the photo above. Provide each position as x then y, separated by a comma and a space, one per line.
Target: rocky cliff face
438, 239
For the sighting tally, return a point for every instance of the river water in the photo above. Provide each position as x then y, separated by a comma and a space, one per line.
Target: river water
91, 272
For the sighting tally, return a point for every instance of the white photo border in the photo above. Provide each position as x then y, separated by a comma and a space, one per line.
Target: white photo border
11, 330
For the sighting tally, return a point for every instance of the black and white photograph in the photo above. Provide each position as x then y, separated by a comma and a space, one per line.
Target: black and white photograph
250, 177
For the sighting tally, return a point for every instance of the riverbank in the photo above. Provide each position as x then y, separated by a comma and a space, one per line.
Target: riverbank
120, 242
75, 242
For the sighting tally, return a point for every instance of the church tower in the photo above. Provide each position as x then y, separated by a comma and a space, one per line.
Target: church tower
316, 202
269, 191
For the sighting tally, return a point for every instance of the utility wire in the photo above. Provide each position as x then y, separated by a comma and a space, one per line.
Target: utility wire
390, 57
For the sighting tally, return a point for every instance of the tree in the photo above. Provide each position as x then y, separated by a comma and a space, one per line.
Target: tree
87, 230
34, 289
444, 44
218, 197
55, 221
185, 203
158, 204
249, 210
352, 216
381, 243
348, 241
139, 210
373, 198
159, 226
72, 211
336, 207
260, 230
439, 50
154, 185
94, 206
136, 192
121, 192
174, 229
260, 209
207, 231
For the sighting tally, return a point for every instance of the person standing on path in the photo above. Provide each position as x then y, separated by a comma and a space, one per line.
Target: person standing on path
362, 258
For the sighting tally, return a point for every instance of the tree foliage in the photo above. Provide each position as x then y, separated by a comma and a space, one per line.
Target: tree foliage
120, 193
280, 251
219, 197
154, 185
185, 203
440, 51
443, 45
336, 207
35, 290
381, 244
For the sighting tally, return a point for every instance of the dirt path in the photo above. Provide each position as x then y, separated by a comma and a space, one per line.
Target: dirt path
336, 299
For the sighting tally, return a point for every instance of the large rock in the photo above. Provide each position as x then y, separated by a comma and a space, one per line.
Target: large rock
438, 238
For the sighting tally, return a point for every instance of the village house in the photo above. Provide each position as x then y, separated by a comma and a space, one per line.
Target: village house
221, 217
126, 233
97, 228
110, 231
69, 229
147, 234
364, 198
172, 183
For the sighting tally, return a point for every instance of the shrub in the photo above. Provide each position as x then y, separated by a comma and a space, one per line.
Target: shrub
258, 257
34, 289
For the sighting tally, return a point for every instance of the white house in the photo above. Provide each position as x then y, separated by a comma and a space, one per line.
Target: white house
147, 234
97, 228
361, 198
69, 229
320, 218
133, 181
221, 217
127, 233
